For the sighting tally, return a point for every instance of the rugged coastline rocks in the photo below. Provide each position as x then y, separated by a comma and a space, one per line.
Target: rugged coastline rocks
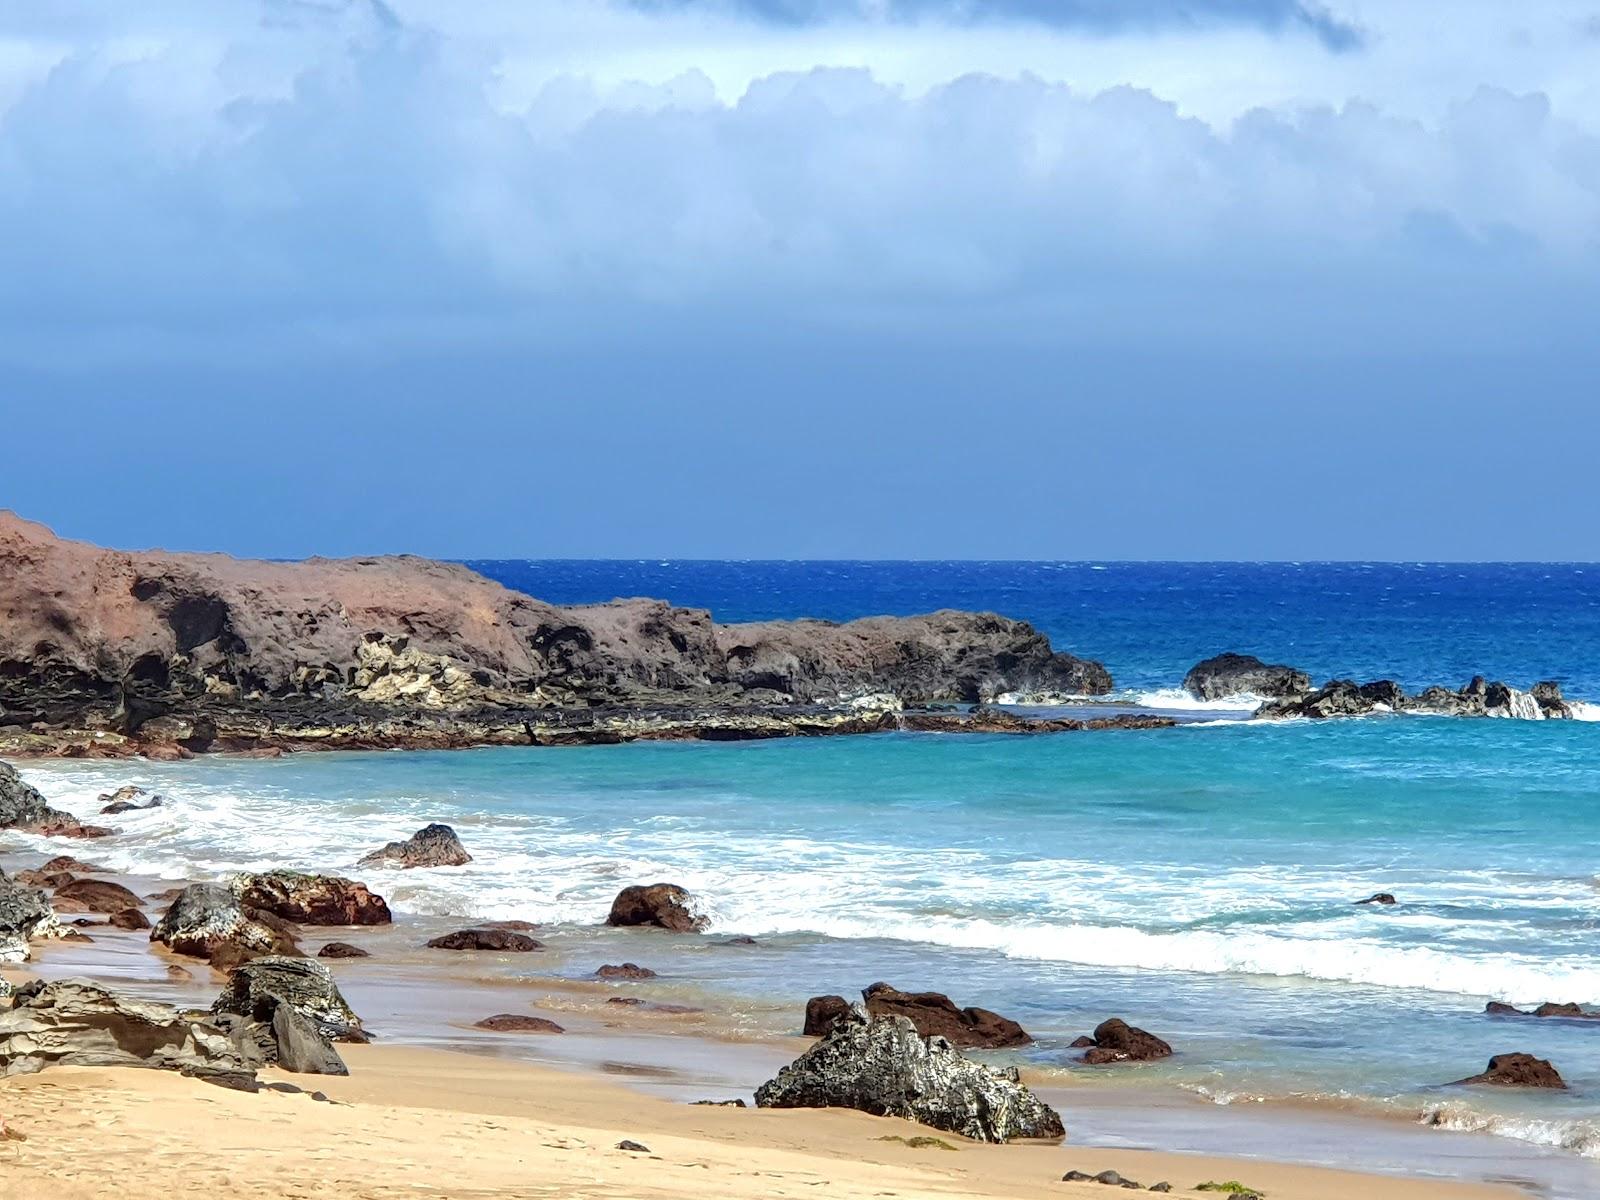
257, 989
431, 846
207, 919
23, 808
661, 905
881, 1065
309, 899
113, 653
1116, 1041
1479, 698
76, 1023
1517, 1070
1243, 675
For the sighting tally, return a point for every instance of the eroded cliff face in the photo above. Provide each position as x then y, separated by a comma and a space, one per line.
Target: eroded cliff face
190, 649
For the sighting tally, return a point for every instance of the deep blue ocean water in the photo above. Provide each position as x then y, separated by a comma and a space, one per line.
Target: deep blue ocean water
1417, 623
1197, 881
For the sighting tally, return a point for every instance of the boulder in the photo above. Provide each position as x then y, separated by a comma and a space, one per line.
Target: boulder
342, 950
65, 862
130, 918
663, 905
258, 988
1566, 1012
504, 941
76, 1023
206, 918
1340, 698
128, 799
1243, 675
624, 971
312, 899
23, 808
935, 1014
93, 895
432, 846
1547, 695
24, 914
1518, 1070
881, 1065
301, 1047
518, 1023
1117, 1041
823, 1013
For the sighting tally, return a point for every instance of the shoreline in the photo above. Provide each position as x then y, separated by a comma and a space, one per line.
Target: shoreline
419, 1002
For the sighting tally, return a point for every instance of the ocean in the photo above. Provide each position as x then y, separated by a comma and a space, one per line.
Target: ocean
1197, 881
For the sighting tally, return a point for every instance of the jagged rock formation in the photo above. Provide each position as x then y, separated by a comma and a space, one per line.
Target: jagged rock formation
311, 899
176, 653
430, 846
206, 919
76, 1023
663, 905
1243, 675
883, 1066
22, 807
25, 914
935, 1015
1517, 1070
260, 989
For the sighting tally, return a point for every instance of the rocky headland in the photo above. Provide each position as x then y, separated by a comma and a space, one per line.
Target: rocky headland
106, 653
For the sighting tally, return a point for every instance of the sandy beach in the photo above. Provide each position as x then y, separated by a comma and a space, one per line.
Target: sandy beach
411, 1122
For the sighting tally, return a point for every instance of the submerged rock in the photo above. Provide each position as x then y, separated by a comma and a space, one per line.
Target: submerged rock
431, 846
342, 950
312, 899
206, 918
624, 971
93, 895
1243, 675
1116, 1041
1566, 1012
883, 1066
1383, 898
935, 1014
76, 1023
258, 988
518, 1023
1518, 1070
663, 905
501, 940
128, 799
23, 808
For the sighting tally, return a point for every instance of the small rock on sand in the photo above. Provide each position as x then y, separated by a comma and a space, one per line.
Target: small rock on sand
517, 1023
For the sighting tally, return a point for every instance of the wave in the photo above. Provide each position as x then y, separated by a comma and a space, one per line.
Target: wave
1179, 700
1576, 1136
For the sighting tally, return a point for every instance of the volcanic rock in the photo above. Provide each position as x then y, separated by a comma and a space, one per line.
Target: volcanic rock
128, 799
257, 989
664, 905
1117, 1041
624, 971
205, 918
312, 899
1518, 1070
1243, 674
519, 1023
883, 1066
342, 950
23, 808
500, 940
823, 1013
431, 846
935, 1014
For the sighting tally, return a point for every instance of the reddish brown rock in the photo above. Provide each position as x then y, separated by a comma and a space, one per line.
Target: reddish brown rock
93, 895
1567, 1012
312, 899
663, 905
1116, 1041
1518, 1070
514, 925
65, 862
517, 1023
934, 1013
624, 971
823, 1013
130, 918
499, 940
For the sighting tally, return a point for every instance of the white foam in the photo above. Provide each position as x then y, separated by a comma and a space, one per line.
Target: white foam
1177, 699
1578, 1136
1584, 710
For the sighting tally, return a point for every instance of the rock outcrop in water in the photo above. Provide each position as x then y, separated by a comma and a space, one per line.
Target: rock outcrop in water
258, 989
663, 905
1243, 675
883, 1066
104, 652
1517, 1070
431, 846
1116, 1041
23, 808
311, 899
206, 920
934, 1014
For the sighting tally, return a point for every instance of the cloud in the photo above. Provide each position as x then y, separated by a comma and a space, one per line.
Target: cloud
1102, 16
347, 176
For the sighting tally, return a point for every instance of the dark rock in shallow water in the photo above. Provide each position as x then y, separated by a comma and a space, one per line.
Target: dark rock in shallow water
519, 1023
1116, 1041
1340, 698
205, 918
257, 989
65, 862
1567, 1012
342, 950
72, 1022
93, 895
431, 846
1383, 898
1547, 695
502, 940
1518, 1070
514, 925
1243, 674
624, 971
823, 1013
935, 1014
312, 899
663, 905
130, 918
23, 808
883, 1066
128, 799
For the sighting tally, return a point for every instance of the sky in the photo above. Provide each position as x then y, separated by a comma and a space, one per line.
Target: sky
1096, 279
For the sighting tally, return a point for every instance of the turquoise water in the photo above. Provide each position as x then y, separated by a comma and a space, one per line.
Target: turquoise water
1197, 881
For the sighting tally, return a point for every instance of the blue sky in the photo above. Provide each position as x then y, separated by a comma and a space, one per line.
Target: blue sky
878, 278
